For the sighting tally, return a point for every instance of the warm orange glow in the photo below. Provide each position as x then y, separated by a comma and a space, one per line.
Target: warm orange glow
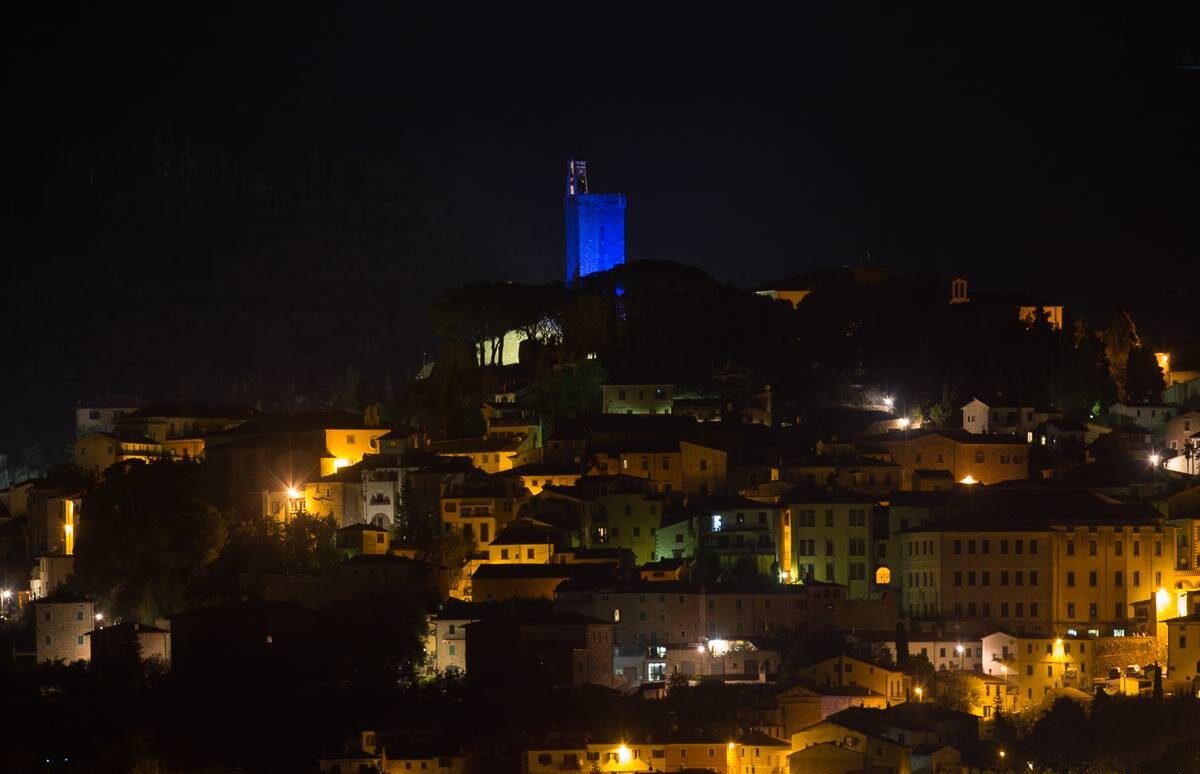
624, 755
969, 480
340, 462
69, 527
293, 493
1059, 651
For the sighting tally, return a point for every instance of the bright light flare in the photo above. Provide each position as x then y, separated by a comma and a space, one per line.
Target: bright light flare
624, 754
969, 480
293, 493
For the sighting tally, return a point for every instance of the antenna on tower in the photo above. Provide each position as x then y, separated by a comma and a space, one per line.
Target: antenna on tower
577, 182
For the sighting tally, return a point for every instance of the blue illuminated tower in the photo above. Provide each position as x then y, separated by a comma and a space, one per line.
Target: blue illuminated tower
595, 226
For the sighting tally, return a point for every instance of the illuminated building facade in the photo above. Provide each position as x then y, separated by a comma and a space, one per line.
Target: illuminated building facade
595, 226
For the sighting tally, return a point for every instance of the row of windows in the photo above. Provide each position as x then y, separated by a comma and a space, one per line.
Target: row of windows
808, 518
855, 547
1094, 610
984, 546
980, 458
47, 640
1118, 578
984, 610
985, 577
1118, 547
917, 546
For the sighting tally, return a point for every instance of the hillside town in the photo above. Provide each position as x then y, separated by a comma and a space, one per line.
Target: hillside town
850, 521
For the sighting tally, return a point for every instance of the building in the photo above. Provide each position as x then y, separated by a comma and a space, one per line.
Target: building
338, 495
637, 398
449, 627
526, 541
393, 753
1040, 665
61, 625
678, 751
280, 452
893, 685
481, 506
745, 534
491, 454
499, 582
363, 539
540, 474
109, 643
180, 427
98, 451
946, 653
802, 706
1004, 417
595, 226
684, 613
561, 649
51, 572
969, 457
831, 535
1152, 416
1183, 654
673, 465
1002, 307
844, 471
979, 572
101, 415
1181, 430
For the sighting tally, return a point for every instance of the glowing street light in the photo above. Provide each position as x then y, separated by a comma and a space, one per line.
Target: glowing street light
1155, 459
99, 616
624, 755
293, 493
962, 659
969, 480
920, 693
5, 595
904, 422
890, 402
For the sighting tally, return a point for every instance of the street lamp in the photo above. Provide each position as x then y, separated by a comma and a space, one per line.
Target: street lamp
920, 693
962, 661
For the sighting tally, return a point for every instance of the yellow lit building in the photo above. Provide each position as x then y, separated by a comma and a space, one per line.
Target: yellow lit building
537, 475
828, 535
347, 446
96, 452
363, 539
753, 753
1183, 654
491, 455
969, 457
481, 506
184, 448
524, 542
674, 466
833, 746
894, 686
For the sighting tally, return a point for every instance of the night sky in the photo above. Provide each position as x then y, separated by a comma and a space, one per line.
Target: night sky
344, 169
